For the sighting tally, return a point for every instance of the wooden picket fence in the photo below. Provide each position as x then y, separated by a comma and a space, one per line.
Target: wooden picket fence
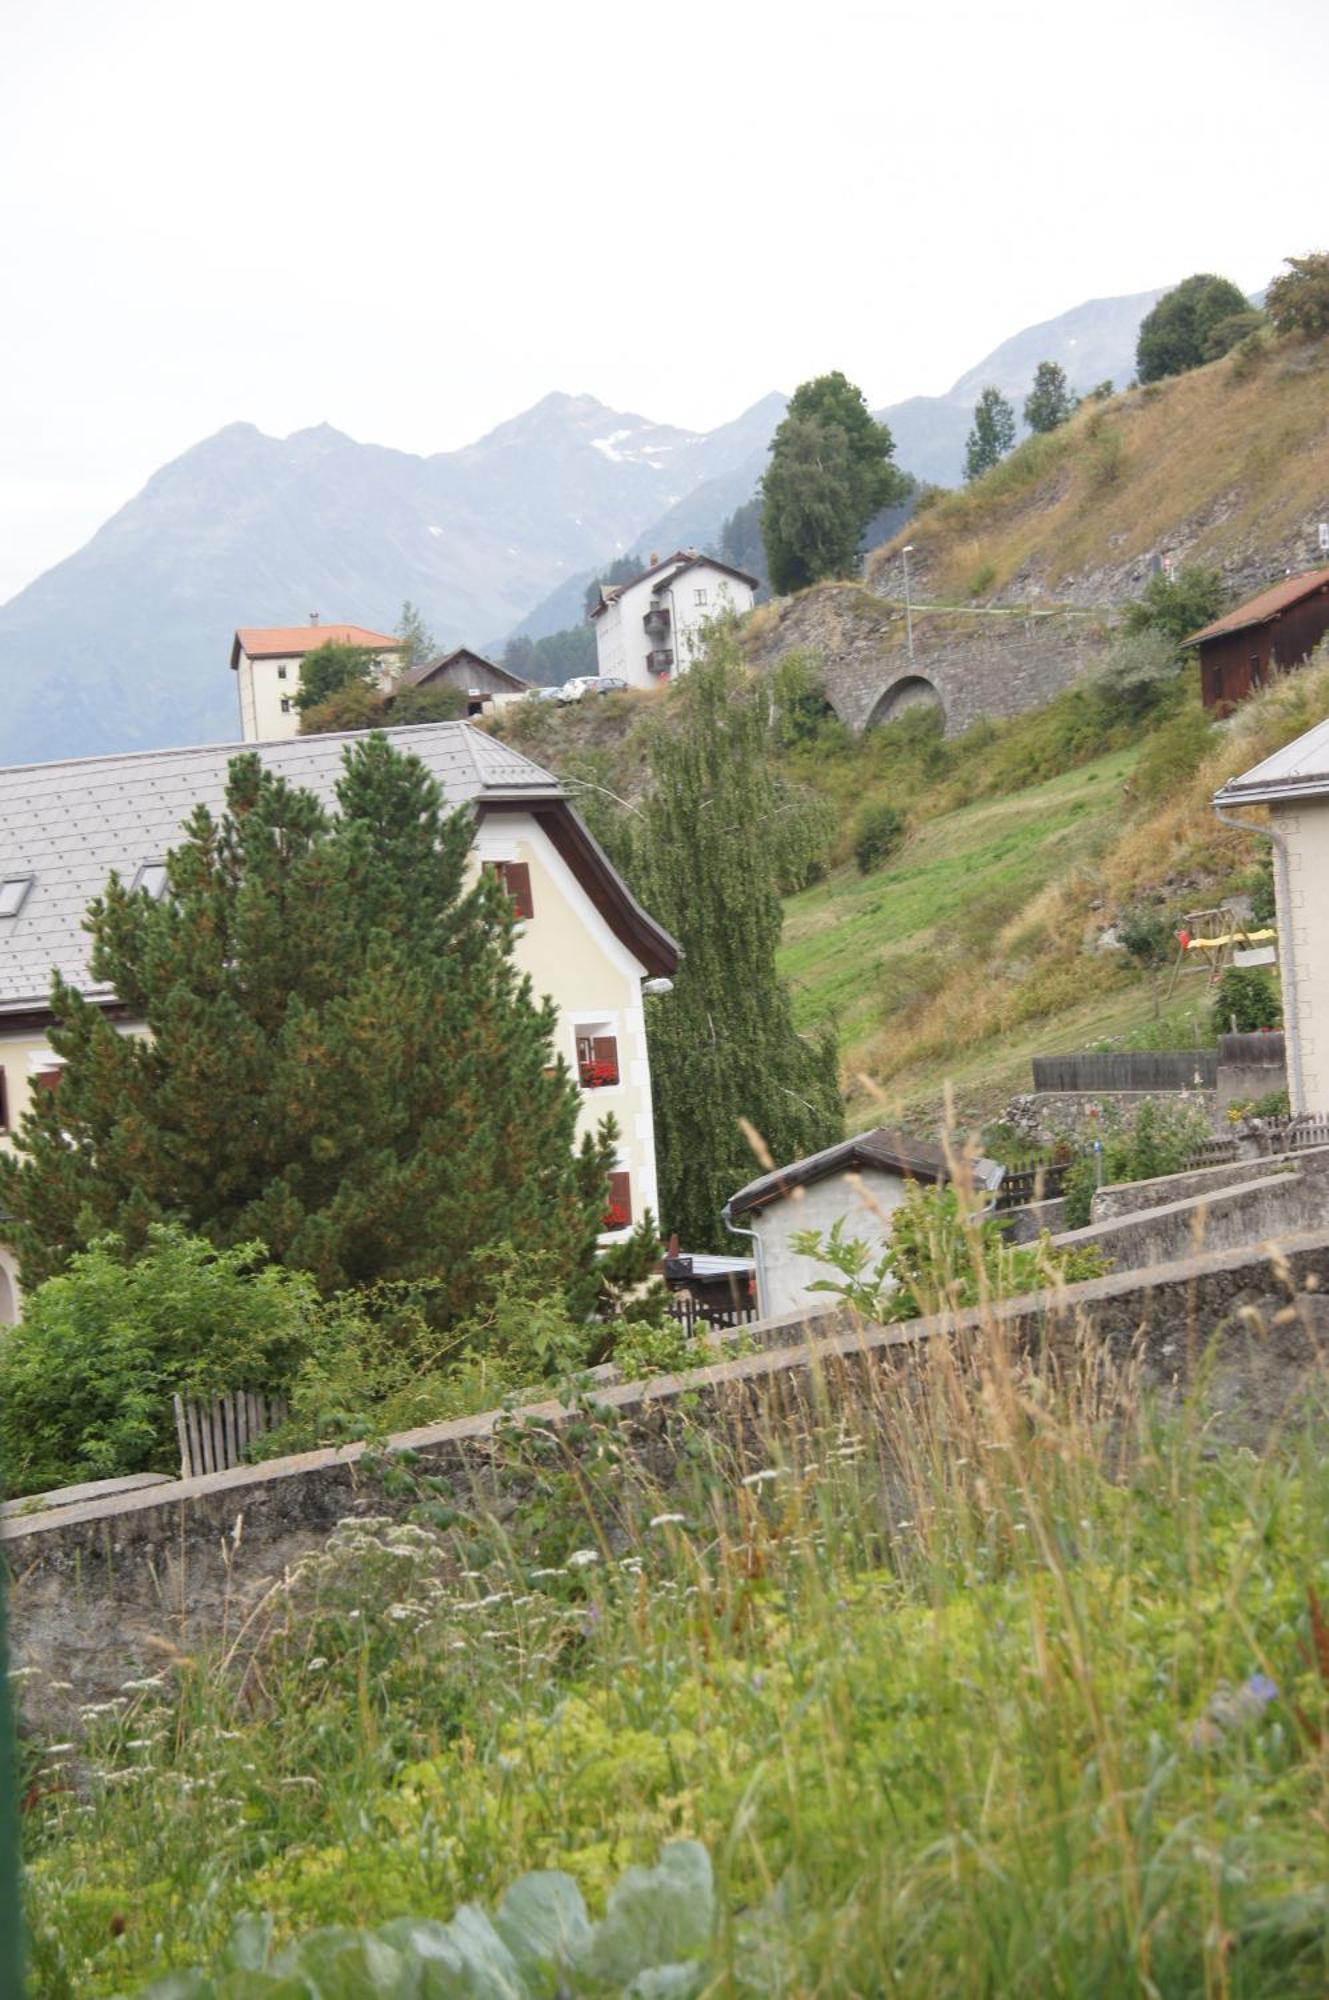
214, 1436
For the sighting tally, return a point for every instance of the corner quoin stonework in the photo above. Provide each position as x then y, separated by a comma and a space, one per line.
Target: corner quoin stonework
108, 1589
974, 663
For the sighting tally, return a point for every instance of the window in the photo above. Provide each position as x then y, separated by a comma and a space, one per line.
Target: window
618, 1208
14, 893
285, 705
699, 597
597, 1059
516, 879
281, 670
151, 879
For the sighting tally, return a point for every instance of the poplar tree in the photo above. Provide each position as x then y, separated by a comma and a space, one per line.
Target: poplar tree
724, 1047
342, 1060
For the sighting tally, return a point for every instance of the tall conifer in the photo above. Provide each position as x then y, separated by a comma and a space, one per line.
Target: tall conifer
724, 1047
342, 1059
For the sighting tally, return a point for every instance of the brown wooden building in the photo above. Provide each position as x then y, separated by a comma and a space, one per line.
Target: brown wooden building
1268, 635
483, 682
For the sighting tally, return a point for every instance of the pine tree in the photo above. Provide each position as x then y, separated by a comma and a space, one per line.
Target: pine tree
992, 436
342, 1061
724, 1047
1050, 400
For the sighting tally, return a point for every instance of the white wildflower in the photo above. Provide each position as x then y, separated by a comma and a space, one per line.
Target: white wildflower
142, 1687
668, 1520
316, 1665
762, 1478
583, 1558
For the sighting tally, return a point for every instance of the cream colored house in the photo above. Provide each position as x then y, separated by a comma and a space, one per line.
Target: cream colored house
582, 938
266, 661
860, 1182
1293, 785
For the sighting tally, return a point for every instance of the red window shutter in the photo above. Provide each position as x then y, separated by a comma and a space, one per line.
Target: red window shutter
618, 1209
516, 879
47, 1079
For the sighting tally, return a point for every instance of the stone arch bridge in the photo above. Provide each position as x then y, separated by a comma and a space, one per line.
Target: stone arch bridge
967, 663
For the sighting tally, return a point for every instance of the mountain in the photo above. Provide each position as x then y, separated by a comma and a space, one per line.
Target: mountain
694, 521
124, 645
1095, 342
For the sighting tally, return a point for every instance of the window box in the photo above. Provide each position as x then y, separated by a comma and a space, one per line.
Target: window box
597, 1061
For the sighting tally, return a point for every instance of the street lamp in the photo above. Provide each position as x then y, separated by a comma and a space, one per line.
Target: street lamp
905, 554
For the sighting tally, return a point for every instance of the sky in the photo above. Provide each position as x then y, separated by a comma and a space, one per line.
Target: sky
413, 219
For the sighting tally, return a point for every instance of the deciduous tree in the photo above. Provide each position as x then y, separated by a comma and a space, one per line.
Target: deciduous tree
724, 1046
1173, 336
332, 667
1298, 301
1050, 401
341, 1062
831, 470
992, 436
417, 639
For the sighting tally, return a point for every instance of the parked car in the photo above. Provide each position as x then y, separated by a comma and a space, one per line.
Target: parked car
574, 690
608, 684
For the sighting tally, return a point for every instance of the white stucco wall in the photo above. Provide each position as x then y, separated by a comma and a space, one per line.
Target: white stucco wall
622, 642
784, 1278
1303, 931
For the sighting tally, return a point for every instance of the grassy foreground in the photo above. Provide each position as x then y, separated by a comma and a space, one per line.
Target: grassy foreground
999, 1682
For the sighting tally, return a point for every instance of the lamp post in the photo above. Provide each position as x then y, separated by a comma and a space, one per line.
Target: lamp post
905, 554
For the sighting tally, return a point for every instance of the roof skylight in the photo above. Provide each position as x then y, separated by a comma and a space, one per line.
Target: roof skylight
151, 879
14, 893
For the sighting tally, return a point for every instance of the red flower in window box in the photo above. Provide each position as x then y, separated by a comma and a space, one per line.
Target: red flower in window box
597, 1074
614, 1217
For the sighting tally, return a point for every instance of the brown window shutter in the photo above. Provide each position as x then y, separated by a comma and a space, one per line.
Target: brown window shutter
618, 1208
4, 1100
516, 879
47, 1079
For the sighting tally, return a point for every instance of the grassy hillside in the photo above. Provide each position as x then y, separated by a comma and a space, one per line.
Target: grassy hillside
1228, 465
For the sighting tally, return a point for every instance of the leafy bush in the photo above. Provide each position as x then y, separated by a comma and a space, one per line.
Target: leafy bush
1177, 605
1298, 301
650, 1945
1260, 882
944, 1253
879, 833
1174, 335
86, 1379
1246, 1002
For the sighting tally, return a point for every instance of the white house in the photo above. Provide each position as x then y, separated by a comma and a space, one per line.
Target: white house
582, 938
862, 1181
1294, 785
653, 627
266, 661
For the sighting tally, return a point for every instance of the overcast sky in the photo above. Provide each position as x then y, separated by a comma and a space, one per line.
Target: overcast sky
414, 218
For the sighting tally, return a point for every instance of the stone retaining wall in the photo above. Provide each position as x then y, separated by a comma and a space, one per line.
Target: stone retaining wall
107, 1589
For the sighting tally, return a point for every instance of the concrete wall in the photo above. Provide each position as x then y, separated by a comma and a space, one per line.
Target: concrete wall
1300, 873
1129, 1197
865, 1204
98, 1588
978, 663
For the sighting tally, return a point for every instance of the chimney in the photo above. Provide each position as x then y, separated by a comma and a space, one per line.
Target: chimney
654, 559
313, 617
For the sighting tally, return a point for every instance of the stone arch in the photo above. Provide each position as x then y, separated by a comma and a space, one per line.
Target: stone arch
8, 1299
910, 691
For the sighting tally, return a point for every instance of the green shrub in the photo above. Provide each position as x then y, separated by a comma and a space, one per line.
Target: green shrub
1247, 1002
880, 831
86, 1379
1161, 1139
1260, 883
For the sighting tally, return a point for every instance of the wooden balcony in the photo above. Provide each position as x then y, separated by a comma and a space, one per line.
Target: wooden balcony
656, 621
660, 660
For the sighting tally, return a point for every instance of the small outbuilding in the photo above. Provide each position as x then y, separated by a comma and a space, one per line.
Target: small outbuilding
1269, 634
483, 682
1293, 785
861, 1181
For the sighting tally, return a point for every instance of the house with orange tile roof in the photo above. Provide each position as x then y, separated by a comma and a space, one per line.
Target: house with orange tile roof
266, 661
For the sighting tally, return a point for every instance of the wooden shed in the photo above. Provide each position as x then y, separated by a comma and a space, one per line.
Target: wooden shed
1270, 634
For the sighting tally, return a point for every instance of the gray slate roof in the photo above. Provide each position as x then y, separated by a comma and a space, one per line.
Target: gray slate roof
880, 1150
1299, 770
70, 824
